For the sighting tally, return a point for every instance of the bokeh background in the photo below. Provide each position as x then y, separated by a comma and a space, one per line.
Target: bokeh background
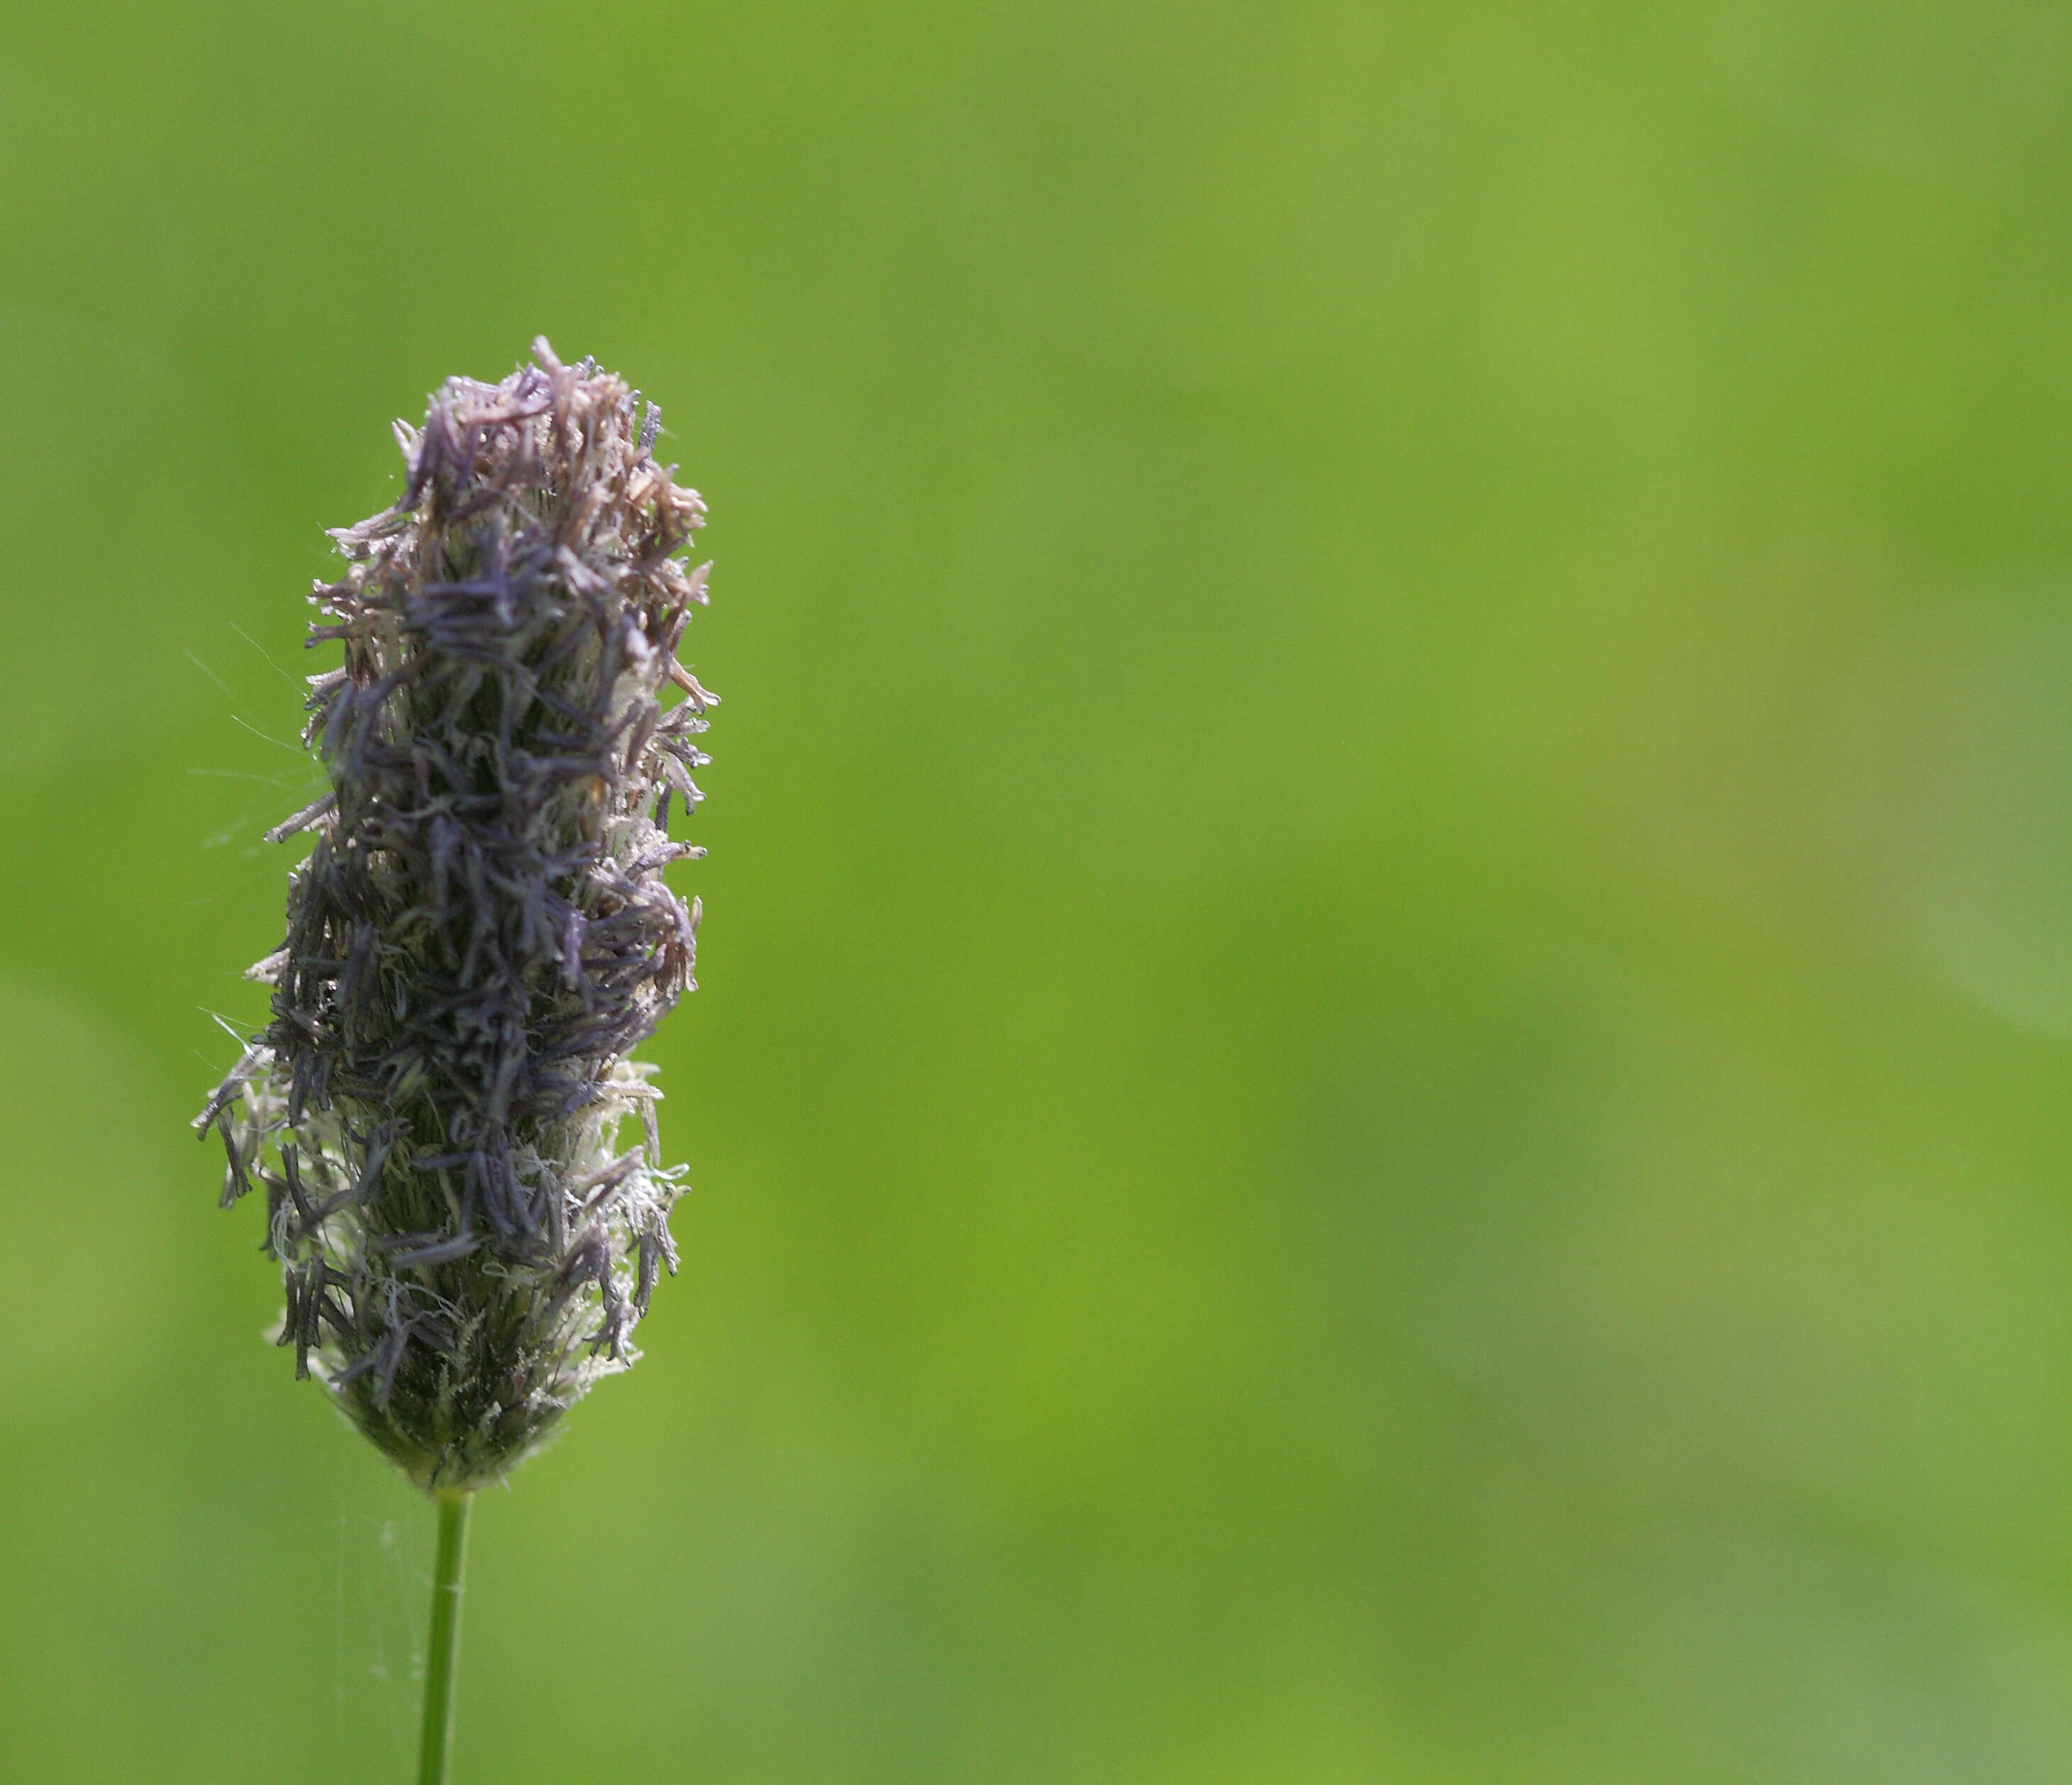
1384, 1086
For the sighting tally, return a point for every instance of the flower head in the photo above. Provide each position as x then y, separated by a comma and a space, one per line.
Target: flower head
437, 1112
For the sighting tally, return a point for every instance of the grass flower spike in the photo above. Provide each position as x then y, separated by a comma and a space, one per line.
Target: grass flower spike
460, 1160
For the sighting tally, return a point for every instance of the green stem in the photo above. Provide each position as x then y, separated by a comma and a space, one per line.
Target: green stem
443, 1650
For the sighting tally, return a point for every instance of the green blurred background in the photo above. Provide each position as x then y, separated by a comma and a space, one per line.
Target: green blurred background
1383, 1091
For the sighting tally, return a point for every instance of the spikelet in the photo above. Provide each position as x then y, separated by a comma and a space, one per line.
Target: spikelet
438, 1113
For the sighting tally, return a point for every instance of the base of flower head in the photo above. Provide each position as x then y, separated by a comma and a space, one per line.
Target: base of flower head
457, 1358
446, 1444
